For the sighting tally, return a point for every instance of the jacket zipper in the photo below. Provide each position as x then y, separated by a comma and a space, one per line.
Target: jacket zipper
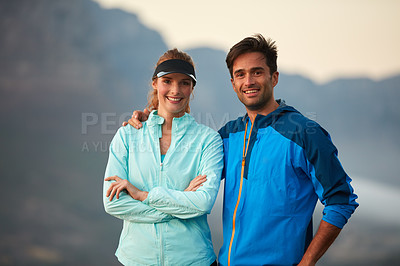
160, 225
245, 149
161, 244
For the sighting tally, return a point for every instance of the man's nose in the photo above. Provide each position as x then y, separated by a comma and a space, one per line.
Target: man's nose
249, 80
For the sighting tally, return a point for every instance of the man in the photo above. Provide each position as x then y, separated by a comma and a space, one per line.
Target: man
277, 164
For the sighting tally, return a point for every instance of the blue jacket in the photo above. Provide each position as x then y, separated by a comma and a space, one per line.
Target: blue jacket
291, 162
170, 226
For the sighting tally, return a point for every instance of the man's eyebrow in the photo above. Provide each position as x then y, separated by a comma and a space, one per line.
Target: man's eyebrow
238, 70
252, 69
257, 68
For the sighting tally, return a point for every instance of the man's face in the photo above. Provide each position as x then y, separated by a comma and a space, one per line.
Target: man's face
253, 82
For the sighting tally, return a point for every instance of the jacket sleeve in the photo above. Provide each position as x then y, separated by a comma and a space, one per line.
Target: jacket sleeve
126, 208
330, 181
185, 205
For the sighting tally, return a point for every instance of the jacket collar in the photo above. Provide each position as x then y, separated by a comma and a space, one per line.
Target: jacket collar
281, 107
178, 123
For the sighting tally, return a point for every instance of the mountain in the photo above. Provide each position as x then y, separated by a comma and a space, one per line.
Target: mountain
362, 117
68, 72
71, 72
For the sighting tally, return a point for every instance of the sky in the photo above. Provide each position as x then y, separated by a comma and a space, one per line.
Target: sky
320, 39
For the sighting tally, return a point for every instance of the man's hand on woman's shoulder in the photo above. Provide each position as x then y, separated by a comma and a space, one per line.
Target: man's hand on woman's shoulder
137, 117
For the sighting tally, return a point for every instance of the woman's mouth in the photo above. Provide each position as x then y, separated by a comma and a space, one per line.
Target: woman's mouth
174, 99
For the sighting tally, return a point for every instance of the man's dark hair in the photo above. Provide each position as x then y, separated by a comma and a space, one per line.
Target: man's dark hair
256, 43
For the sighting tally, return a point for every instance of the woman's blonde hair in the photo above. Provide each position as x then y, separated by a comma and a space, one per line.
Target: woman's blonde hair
168, 55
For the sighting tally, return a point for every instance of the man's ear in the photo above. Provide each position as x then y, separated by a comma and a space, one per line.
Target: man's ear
275, 78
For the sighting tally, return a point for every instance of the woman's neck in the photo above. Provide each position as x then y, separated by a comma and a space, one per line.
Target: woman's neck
168, 118
166, 129
167, 125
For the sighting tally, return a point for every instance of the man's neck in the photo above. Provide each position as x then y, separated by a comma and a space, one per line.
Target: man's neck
267, 109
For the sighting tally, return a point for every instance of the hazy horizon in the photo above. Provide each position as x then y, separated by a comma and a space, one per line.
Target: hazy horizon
72, 71
322, 40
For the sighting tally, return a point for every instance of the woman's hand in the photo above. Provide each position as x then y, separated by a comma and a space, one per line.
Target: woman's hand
122, 184
196, 183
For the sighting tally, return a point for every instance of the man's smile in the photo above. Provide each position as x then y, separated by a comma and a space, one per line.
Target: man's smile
251, 92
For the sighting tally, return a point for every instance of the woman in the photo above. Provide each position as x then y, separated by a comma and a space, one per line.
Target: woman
151, 172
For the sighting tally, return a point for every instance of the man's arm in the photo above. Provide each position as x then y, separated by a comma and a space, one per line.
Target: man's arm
332, 185
322, 240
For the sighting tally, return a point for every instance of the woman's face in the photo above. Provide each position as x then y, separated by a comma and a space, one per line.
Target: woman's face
173, 91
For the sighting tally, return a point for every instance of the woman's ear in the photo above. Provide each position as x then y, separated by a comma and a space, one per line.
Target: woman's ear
154, 83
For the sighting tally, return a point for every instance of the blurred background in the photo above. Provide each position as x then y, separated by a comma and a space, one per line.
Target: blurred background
72, 71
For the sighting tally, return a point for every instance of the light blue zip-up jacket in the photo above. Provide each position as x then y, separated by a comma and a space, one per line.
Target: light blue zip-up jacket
170, 227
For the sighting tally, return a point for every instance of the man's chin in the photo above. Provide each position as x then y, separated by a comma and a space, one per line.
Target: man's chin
254, 107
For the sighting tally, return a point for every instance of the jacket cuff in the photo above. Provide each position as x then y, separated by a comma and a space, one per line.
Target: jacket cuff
337, 215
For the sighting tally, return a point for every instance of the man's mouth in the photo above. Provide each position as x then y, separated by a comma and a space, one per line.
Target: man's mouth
250, 91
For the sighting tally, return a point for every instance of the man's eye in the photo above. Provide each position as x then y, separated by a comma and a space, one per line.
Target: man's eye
166, 81
239, 75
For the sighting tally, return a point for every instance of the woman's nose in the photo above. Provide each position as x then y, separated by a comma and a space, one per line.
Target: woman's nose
175, 88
